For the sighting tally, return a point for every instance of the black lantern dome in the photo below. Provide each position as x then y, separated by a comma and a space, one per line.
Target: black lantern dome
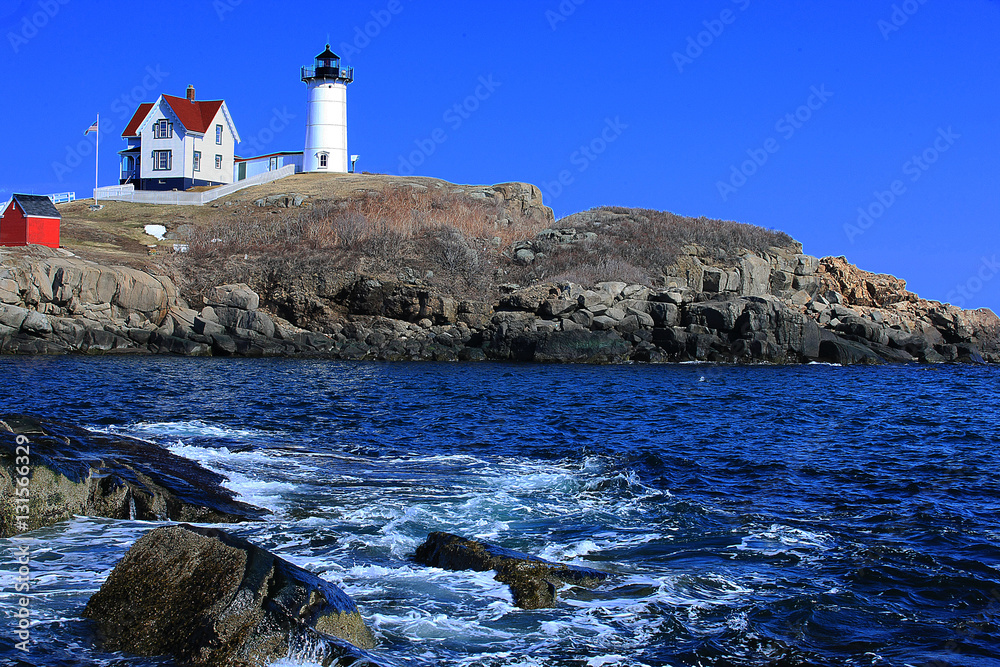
328, 67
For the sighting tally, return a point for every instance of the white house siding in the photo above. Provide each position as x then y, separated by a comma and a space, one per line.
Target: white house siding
210, 149
183, 145
149, 144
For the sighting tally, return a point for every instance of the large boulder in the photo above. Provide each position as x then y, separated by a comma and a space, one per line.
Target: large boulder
718, 315
756, 273
78, 472
581, 347
252, 320
837, 350
140, 291
238, 296
533, 581
205, 597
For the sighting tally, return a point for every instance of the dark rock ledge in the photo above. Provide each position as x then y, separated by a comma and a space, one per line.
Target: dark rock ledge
73, 471
778, 306
533, 581
205, 597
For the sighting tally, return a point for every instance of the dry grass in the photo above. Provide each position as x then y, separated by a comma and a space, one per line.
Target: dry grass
639, 245
459, 239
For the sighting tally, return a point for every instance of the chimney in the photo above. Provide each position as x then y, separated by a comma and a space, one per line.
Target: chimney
190, 93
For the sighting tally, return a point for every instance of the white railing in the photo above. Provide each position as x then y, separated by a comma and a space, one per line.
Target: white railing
175, 198
63, 197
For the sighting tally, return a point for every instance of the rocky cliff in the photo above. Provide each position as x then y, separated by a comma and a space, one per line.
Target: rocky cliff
737, 300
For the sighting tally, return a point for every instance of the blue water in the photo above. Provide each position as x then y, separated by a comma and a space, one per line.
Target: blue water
808, 515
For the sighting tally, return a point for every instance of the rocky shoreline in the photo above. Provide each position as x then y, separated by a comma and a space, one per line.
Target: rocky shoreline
781, 306
202, 595
79, 472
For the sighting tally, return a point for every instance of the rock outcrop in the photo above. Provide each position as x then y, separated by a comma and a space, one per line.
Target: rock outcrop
533, 581
774, 305
77, 472
205, 597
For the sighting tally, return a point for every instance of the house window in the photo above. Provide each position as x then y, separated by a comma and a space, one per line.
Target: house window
323, 160
197, 160
162, 160
163, 129
218, 162
272, 164
218, 134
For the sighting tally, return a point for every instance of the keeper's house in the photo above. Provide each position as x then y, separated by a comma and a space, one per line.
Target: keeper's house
30, 219
177, 143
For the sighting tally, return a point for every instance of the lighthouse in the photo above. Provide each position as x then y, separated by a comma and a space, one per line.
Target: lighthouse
326, 114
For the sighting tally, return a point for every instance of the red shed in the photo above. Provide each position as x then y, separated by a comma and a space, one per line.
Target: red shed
30, 219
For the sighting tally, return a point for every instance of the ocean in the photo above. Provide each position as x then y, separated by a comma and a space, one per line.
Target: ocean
799, 515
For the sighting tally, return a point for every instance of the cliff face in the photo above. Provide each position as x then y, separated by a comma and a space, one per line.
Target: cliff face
731, 297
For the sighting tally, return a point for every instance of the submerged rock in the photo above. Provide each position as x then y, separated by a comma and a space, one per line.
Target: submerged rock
73, 471
206, 597
532, 580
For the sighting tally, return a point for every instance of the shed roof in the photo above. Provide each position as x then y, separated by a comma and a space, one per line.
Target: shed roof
38, 206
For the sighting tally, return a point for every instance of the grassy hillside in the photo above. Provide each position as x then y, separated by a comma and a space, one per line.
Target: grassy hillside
462, 239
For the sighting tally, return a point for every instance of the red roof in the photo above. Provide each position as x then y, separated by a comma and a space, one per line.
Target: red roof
194, 116
132, 129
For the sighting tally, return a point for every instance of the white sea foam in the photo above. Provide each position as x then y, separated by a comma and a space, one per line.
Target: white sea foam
247, 473
779, 539
190, 428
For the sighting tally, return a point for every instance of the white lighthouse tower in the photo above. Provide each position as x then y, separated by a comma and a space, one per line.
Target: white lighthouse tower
326, 122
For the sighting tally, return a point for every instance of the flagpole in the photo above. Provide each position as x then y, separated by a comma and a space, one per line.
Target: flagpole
97, 154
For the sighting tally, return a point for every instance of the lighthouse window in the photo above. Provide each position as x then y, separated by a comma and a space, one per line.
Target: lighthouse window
218, 134
197, 160
218, 162
323, 160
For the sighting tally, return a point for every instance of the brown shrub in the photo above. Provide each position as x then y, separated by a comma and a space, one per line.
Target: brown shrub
635, 245
456, 237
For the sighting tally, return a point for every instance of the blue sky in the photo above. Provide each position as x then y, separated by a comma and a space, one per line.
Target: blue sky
865, 128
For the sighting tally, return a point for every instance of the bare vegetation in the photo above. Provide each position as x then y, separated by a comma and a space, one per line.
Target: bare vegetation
458, 242
636, 245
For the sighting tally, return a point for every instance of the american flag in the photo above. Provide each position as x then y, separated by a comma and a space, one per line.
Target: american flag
92, 128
